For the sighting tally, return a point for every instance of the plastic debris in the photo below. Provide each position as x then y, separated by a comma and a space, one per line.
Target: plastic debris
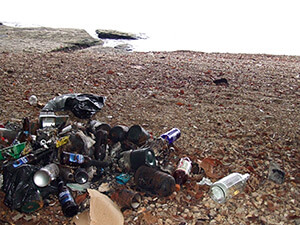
205, 181
275, 173
83, 106
123, 178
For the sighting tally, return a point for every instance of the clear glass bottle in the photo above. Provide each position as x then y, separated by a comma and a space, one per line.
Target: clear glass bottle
228, 187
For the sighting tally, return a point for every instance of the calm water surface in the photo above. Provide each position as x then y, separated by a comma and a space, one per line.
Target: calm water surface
232, 26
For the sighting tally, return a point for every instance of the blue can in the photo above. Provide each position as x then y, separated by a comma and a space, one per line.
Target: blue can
172, 135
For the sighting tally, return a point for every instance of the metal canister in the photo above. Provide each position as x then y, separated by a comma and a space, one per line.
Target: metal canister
127, 198
45, 175
172, 135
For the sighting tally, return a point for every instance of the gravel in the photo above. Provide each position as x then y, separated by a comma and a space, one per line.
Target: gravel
246, 124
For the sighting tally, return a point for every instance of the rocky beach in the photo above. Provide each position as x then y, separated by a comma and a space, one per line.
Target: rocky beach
241, 111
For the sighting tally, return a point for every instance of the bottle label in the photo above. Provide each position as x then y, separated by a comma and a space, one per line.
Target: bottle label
64, 140
185, 165
20, 161
76, 158
64, 197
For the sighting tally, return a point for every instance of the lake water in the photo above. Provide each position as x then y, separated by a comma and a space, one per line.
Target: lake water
232, 26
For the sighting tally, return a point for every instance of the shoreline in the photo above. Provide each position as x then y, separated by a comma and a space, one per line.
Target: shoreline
32, 41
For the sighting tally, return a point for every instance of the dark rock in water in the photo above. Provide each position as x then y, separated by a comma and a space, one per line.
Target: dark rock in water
44, 39
222, 81
1, 23
113, 34
124, 47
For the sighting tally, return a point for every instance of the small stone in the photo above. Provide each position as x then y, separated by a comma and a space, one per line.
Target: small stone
186, 211
168, 221
160, 221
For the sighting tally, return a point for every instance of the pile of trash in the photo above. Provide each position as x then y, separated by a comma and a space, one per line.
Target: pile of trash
63, 158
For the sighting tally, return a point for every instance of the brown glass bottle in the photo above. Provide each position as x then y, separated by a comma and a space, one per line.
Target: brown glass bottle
31, 158
68, 204
118, 133
183, 170
154, 180
25, 134
74, 159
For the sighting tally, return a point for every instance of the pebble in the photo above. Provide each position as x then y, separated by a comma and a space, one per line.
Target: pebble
17, 217
160, 221
168, 221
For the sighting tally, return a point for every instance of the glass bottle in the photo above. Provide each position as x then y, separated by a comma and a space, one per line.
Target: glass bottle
133, 159
24, 134
68, 204
118, 133
33, 202
183, 170
31, 158
154, 180
81, 176
74, 159
137, 135
228, 187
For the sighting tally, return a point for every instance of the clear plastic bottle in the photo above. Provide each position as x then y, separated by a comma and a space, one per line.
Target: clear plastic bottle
228, 187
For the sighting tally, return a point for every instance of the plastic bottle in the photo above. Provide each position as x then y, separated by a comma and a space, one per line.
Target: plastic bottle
172, 135
183, 170
68, 204
228, 187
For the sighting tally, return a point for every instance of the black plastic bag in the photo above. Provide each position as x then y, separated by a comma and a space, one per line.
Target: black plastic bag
83, 106
20, 191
